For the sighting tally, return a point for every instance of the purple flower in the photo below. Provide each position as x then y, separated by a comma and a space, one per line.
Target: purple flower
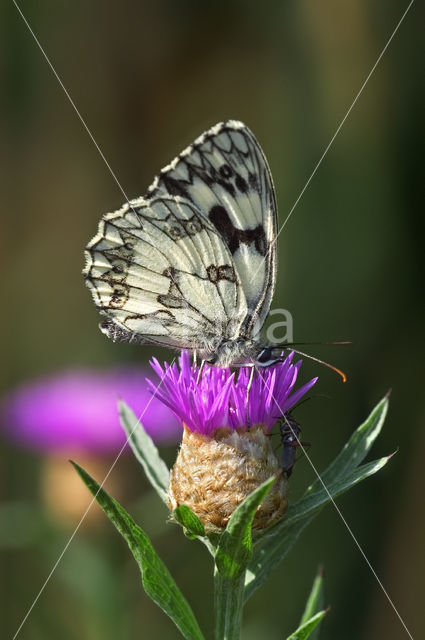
220, 398
77, 410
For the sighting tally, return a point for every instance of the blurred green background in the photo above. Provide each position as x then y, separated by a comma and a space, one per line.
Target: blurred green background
148, 77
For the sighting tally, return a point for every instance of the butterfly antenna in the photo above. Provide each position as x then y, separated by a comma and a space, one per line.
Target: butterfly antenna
336, 343
326, 364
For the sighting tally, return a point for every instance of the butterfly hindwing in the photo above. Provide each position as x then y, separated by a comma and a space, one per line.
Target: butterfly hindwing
224, 173
160, 272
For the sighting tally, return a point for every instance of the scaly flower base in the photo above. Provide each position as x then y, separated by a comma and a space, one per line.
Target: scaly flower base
214, 473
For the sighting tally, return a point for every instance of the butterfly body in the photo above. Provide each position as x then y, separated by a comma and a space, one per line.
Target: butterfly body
192, 265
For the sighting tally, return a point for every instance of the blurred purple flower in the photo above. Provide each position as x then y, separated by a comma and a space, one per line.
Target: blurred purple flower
77, 410
220, 398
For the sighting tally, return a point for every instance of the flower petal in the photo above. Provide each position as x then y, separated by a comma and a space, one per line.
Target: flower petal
220, 397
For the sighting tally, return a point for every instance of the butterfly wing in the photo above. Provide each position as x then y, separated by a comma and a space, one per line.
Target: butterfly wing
160, 272
225, 174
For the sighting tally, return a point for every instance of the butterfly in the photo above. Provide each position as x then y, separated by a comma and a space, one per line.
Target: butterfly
192, 264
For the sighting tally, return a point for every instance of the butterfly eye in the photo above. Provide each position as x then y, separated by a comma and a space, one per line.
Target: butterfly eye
267, 357
264, 356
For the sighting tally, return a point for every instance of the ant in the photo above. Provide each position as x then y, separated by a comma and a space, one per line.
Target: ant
290, 430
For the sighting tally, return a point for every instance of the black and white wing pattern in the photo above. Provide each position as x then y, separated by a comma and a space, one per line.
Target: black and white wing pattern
160, 272
192, 265
225, 174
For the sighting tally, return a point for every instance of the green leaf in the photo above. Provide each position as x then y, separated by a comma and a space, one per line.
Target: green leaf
156, 579
235, 547
305, 630
315, 599
357, 447
340, 476
145, 451
194, 529
191, 523
315, 602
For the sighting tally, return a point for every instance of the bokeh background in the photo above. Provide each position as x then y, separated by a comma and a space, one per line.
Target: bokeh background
148, 77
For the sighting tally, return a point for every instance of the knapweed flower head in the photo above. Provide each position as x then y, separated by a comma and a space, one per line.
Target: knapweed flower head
220, 397
77, 410
226, 451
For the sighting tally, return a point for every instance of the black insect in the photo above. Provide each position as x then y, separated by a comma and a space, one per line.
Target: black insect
290, 431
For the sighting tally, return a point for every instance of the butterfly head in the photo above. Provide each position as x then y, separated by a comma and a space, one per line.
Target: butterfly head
245, 352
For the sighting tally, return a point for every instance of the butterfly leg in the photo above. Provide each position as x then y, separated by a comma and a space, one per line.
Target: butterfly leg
248, 389
201, 368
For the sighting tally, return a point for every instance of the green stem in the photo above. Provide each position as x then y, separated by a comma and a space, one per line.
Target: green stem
228, 605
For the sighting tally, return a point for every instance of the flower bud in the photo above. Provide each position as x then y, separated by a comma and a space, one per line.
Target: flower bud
214, 473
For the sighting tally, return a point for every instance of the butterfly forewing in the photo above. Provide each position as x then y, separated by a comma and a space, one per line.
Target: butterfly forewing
225, 174
160, 272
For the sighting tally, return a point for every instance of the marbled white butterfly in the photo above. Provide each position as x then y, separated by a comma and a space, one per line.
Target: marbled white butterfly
192, 264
